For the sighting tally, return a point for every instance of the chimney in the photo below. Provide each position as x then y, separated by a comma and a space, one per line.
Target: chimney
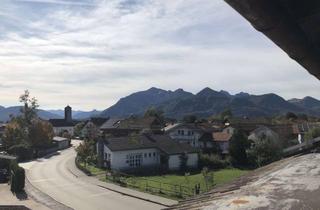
68, 114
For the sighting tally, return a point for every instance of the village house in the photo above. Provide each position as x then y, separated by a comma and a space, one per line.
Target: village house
64, 126
124, 127
222, 139
134, 152
299, 130
93, 125
187, 133
263, 132
61, 142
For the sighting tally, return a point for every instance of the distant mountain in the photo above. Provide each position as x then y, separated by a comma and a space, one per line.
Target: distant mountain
307, 103
84, 115
77, 114
137, 103
5, 113
209, 102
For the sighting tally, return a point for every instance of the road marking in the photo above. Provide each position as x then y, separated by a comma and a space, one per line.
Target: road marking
99, 194
42, 180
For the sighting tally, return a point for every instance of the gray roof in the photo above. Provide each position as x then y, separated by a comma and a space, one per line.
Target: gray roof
291, 24
147, 141
111, 123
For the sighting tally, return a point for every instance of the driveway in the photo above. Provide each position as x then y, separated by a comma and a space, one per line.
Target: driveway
54, 177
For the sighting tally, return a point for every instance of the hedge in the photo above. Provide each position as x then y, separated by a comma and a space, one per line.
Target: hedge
17, 178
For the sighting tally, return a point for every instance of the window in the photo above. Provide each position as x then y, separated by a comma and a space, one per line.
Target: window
154, 154
182, 132
134, 160
149, 154
145, 155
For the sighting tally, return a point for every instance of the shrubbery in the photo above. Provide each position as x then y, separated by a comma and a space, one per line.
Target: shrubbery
212, 161
17, 179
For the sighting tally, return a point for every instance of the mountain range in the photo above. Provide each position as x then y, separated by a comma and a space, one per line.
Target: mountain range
209, 102
178, 103
6, 112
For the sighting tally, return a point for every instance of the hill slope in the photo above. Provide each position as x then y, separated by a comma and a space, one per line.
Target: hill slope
208, 102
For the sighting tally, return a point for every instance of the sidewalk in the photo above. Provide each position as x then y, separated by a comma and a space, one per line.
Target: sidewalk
122, 190
7, 198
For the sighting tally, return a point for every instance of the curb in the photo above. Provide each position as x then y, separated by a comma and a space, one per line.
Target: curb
133, 196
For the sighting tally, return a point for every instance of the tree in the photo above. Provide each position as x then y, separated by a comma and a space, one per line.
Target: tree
77, 129
26, 130
14, 134
29, 109
237, 148
153, 112
189, 119
313, 133
291, 115
84, 152
226, 114
41, 133
263, 151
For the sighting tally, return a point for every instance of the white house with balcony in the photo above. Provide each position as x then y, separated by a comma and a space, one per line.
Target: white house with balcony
185, 133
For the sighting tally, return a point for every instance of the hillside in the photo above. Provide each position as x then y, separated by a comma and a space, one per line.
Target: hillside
209, 102
5, 113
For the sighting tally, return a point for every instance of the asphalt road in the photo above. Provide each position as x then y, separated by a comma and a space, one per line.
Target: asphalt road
53, 177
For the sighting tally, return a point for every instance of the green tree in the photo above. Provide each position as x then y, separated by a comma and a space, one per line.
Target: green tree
77, 129
263, 151
153, 112
26, 130
85, 152
226, 114
291, 116
189, 119
313, 133
238, 145
29, 108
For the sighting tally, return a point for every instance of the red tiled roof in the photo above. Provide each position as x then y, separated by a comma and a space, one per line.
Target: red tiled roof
221, 136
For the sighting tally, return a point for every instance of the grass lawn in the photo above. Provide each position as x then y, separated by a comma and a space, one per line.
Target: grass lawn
219, 177
94, 170
173, 186
169, 185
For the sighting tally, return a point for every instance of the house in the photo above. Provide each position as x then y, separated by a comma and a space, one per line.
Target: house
263, 132
66, 125
299, 130
187, 133
134, 152
222, 139
62, 143
124, 127
94, 124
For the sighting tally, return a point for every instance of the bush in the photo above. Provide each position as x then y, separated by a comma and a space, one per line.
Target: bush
17, 178
212, 161
22, 151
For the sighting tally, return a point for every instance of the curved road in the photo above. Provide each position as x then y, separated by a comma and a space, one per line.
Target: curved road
54, 177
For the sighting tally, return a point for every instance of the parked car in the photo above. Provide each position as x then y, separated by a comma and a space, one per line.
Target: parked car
4, 175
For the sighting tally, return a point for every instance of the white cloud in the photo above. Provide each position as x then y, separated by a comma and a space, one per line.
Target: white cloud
90, 53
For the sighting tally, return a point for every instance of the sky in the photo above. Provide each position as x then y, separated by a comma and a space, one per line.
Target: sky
90, 53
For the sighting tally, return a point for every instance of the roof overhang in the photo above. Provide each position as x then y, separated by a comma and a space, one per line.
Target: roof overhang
293, 25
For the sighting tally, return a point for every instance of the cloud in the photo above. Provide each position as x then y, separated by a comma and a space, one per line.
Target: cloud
90, 53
